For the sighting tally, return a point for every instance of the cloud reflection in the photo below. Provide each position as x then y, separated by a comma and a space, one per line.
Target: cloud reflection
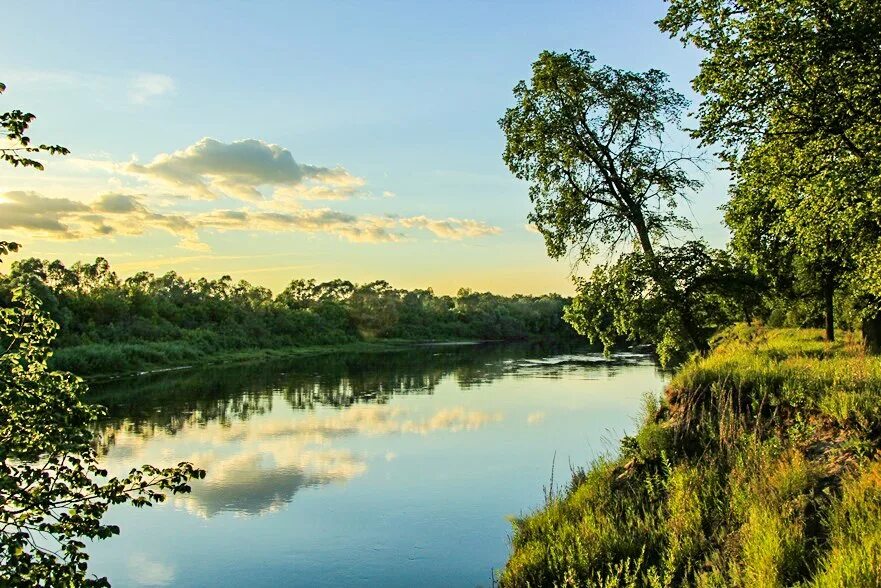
258, 465
145, 571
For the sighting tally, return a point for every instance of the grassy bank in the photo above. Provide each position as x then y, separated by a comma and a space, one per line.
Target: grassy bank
106, 361
759, 467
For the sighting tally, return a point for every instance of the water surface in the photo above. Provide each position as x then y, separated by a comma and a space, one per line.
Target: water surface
389, 469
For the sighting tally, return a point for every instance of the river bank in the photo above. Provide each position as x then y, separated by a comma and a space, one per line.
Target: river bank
87, 361
758, 467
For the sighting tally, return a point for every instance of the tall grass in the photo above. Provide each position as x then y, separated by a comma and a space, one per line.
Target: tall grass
759, 468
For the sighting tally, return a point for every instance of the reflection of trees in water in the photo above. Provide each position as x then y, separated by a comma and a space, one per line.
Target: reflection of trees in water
172, 400
257, 469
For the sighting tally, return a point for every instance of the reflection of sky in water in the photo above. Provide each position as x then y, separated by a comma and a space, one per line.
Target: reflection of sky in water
332, 473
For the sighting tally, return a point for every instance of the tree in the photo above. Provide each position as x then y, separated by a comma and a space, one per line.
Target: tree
790, 70
622, 299
53, 492
299, 294
804, 232
592, 143
790, 96
374, 308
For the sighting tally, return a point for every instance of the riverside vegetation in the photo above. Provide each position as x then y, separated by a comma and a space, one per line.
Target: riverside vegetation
760, 466
111, 326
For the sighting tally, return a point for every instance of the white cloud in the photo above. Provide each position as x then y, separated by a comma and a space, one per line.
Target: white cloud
451, 228
209, 169
62, 218
37, 214
271, 184
128, 214
322, 220
144, 87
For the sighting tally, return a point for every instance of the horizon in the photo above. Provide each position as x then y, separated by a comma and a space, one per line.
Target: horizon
364, 146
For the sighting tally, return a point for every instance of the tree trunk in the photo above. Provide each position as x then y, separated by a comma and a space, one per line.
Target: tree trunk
828, 299
644, 238
697, 342
871, 328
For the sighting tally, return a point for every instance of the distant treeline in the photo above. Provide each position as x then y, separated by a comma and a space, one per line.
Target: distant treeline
109, 324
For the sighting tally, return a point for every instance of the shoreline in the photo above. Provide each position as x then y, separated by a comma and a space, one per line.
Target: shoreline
246, 356
761, 461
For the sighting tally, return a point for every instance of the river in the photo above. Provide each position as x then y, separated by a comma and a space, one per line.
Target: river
378, 469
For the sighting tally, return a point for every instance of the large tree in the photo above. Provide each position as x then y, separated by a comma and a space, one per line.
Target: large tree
804, 233
791, 99
593, 142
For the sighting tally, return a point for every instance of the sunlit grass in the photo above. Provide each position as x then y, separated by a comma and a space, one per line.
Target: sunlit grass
757, 469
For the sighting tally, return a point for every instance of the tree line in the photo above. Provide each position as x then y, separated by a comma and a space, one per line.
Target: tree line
110, 324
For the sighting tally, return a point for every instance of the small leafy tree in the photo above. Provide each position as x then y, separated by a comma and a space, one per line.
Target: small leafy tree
53, 492
622, 299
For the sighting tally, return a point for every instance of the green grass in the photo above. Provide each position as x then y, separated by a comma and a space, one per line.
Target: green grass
760, 467
104, 361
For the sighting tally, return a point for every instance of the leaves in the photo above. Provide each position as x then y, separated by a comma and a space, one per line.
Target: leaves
7, 247
793, 70
791, 98
14, 125
591, 142
53, 494
623, 300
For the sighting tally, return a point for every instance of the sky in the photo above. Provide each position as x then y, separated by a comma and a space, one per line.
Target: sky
280, 140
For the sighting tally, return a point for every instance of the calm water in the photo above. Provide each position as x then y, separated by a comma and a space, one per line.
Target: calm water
394, 469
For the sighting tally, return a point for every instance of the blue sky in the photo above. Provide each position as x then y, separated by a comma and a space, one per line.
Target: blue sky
388, 108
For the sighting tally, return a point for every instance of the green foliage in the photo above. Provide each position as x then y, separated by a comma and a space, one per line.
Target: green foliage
623, 300
789, 70
742, 477
110, 325
653, 441
790, 94
591, 142
7, 247
806, 233
14, 125
53, 493
597, 532
854, 556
